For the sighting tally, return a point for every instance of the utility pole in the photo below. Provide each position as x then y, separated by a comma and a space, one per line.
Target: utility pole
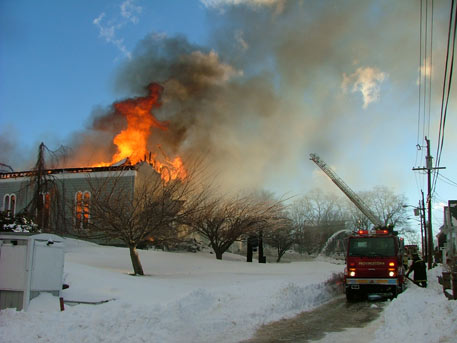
429, 164
428, 229
423, 227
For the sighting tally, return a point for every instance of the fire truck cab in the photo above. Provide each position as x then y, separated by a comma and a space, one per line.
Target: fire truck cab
374, 264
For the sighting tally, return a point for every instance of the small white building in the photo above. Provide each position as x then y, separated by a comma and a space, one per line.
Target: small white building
29, 264
449, 230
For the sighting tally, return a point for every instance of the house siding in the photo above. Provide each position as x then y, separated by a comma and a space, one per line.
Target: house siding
66, 185
18, 187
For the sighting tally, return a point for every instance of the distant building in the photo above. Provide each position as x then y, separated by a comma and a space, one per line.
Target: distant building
447, 237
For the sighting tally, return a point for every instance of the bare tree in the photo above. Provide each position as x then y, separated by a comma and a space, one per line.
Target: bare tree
357, 220
317, 208
315, 217
224, 221
277, 229
45, 206
150, 211
280, 235
387, 205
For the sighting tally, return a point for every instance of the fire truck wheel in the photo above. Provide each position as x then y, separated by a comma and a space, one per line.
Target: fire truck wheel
394, 294
351, 296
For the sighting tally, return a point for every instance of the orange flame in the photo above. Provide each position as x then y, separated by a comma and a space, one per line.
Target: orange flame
132, 142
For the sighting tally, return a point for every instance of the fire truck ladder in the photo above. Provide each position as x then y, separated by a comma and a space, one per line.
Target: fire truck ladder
356, 200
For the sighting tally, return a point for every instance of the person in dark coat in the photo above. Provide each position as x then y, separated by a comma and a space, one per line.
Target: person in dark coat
420, 271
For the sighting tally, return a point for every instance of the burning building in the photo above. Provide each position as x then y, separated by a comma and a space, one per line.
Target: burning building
61, 199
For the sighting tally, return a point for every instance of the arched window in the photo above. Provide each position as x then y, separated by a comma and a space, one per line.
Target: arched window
45, 213
9, 204
13, 204
78, 209
82, 209
86, 209
6, 202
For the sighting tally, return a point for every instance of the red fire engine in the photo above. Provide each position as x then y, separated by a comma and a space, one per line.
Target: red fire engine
374, 264
374, 260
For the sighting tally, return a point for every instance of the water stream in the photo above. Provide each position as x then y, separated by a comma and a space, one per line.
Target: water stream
331, 239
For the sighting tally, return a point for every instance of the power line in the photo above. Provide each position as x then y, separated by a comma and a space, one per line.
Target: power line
419, 81
447, 82
426, 19
430, 72
425, 70
447, 180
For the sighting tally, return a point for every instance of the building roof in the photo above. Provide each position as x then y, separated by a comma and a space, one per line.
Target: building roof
66, 171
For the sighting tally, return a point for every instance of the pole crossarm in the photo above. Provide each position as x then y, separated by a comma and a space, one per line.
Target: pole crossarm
356, 200
425, 168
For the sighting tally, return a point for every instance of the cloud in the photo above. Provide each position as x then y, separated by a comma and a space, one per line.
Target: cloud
129, 11
108, 32
425, 71
217, 3
240, 40
367, 81
108, 29
439, 206
253, 3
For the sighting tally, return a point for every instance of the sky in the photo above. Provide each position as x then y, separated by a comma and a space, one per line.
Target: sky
254, 86
192, 297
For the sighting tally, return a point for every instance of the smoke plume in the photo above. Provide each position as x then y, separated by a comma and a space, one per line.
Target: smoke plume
267, 88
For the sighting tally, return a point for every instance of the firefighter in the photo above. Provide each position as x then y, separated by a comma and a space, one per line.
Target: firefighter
420, 271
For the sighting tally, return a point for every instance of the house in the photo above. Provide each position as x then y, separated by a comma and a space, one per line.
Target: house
60, 199
447, 236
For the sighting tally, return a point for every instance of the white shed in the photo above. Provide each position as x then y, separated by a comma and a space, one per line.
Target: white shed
29, 264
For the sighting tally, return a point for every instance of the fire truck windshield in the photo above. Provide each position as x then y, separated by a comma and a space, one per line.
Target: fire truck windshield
372, 246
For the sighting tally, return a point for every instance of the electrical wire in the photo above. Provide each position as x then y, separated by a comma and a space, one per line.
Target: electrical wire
424, 83
430, 76
425, 70
419, 81
447, 82
447, 180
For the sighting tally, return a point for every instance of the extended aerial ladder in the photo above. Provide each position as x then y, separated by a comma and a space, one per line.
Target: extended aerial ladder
356, 200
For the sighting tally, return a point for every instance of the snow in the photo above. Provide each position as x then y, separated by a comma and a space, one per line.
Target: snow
418, 315
192, 297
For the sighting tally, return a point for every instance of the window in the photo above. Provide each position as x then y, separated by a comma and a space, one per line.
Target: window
45, 210
9, 204
6, 202
374, 246
86, 205
82, 209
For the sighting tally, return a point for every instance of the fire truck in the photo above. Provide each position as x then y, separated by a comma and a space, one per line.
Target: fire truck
374, 258
374, 263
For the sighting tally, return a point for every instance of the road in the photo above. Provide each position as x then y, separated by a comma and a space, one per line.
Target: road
328, 320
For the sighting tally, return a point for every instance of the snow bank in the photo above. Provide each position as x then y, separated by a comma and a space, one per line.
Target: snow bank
186, 298
420, 315
195, 298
